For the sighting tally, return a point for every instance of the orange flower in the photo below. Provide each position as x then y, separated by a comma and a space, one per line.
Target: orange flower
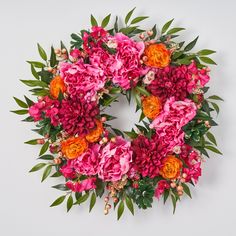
96, 133
73, 147
56, 85
157, 55
171, 167
151, 106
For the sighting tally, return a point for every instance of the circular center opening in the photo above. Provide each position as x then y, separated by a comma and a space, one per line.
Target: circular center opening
125, 113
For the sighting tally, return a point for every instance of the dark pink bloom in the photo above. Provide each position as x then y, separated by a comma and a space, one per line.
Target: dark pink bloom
162, 185
83, 185
75, 53
78, 116
68, 170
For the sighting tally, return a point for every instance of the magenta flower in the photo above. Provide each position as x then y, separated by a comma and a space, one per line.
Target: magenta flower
162, 185
81, 186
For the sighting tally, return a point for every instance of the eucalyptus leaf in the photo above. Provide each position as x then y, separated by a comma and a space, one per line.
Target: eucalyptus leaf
58, 201
120, 210
42, 53
127, 18
46, 172
92, 201
38, 167
20, 103
166, 26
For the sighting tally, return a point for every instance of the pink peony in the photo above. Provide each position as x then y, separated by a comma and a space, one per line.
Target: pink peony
162, 185
77, 116
82, 79
83, 185
68, 170
115, 160
127, 67
87, 163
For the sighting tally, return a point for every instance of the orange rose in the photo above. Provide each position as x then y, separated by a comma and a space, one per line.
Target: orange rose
96, 133
151, 106
157, 55
56, 85
171, 167
73, 147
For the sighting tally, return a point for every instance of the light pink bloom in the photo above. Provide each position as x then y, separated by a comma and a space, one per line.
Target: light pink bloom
115, 160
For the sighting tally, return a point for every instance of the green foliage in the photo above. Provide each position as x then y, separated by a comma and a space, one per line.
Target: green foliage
46, 172
166, 26
93, 21
92, 201
129, 204
69, 203
120, 210
38, 167
42, 53
105, 21
58, 201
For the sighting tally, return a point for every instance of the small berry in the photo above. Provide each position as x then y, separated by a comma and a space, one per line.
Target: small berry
180, 193
115, 199
135, 184
150, 33
173, 185
184, 175
106, 199
180, 188
40, 141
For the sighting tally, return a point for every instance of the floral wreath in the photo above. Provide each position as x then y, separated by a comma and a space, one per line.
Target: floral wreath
162, 156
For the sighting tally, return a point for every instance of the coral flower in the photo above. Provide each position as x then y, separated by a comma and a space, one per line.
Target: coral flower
151, 106
73, 147
56, 85
157, 55
171, 167
96, 133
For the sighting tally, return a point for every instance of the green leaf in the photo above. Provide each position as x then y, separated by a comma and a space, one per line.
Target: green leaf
191, 44
216, 107
205, 52
105, 21
166, 195
75, 37
118, 132
69, 203
175, 30
34, 72
53, 58
183, 61
173, 199
215, 97
93, 21
82, 199
109, 101
37, 167
186, 189
138, 100
132, 135
61, 187
177, 55
46, 172
42, 53
56, 174
32, 142
28, 101
142, 90
20, 112
128, 30
114, 90
154, 30
127, 18
166, 26
213, 149
129, 204
138, 19
36, 64
34, 83
207, 60
211, 137
92, 201
46, 157
20, 103
44, 148
120, 210
58, 201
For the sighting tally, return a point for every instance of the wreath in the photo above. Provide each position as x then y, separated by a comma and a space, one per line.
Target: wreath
162, 156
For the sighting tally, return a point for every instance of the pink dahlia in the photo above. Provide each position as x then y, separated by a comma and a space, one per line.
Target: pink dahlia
115, 160
177, 81
82, 79
87, 163
168, 124
83, 185
162, 185
127, 67
78, 116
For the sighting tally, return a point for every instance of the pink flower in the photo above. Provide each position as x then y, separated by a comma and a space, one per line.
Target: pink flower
87, 163
82, 79
83, 185
127, 67
168, 125
115, 160
177, 81
68, 170
75, 53
161, 187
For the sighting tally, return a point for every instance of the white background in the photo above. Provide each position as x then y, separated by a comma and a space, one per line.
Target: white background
25, 201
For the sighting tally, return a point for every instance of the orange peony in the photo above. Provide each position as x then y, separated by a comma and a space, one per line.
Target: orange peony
73, 147
96, 133
151, 106
157, 55
56, 85
171, 167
